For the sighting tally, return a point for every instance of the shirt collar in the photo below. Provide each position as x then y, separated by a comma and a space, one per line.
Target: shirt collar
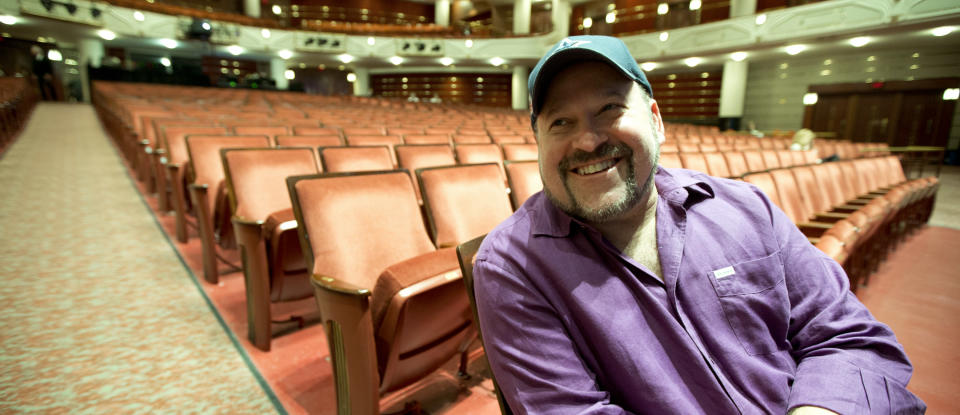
676, 186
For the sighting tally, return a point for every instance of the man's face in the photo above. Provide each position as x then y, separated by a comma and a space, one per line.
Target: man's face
598, 133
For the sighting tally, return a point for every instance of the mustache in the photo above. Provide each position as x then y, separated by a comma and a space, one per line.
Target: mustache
605, 150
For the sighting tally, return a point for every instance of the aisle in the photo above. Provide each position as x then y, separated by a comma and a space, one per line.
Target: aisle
99, 314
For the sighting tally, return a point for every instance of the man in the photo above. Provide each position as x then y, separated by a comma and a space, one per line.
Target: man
43, 71
628, 288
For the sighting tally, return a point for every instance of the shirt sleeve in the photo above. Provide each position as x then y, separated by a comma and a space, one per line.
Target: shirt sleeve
848, 361
533, 359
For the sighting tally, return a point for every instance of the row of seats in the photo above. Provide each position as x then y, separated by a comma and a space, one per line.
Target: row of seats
17, 100
735, 164
855, 211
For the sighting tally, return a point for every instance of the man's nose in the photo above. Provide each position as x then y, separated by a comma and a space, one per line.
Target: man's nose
589, 139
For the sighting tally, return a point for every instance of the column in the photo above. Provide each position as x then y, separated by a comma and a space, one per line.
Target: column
277, 68
732, 91
521, 17
742, 8
441, 13
518, 87
561, 18
361, 86
91, 53
251, 8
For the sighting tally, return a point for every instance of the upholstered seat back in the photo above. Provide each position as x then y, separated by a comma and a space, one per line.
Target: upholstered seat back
355, 159
523, 177
463, 202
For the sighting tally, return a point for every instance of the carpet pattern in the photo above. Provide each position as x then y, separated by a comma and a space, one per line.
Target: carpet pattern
99, 314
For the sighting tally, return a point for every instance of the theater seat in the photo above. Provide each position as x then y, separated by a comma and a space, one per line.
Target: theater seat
209, 196
466, 255
427, 139
480, 153
393, 307
520, 152
523, 178
271, 131
354, 159
463, 202
266, 232
413, 157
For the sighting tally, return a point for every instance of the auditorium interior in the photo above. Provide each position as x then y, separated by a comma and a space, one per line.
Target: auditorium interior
271, 206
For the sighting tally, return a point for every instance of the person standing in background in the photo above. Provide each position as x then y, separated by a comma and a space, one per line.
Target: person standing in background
43, 71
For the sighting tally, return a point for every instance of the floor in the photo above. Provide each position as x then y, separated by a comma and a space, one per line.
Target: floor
101, 315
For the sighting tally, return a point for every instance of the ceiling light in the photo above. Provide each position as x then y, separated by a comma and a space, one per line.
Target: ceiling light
234, 50
138, 16
587, 22
468, 43
859, 41
825, 72
951, 94
738, 56
345, 58
942, 30
351, 77
285, 54
371, 41
71, 62
496, 61
610, 18
828, 62
664, 36
165, 61
810, 98
761, 19
871, 58
915, 55
691, 62
54, 55
206, 26
662, 9
265, 33
446, 61
276, 9
795, 49
168, 43
396, 60
106, 34
7, 19
695, 4
648, 66
289, 74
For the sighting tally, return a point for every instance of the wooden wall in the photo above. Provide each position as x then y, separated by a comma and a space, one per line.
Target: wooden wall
461, 88
688, 95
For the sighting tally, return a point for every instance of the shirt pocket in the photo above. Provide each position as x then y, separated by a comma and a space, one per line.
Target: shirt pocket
754, 300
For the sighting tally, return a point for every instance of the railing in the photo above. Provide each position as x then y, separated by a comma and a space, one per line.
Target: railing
915, 159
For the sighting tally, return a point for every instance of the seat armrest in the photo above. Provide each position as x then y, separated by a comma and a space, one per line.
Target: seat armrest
414, 275
332, 285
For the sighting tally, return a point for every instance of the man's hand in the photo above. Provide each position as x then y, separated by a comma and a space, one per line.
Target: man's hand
810, 410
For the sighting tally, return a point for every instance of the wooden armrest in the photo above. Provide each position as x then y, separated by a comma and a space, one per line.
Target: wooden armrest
338, 286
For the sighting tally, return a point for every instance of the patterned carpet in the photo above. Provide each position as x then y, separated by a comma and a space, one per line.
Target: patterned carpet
99, 314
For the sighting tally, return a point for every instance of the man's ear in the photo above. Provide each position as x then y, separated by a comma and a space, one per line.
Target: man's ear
657, 121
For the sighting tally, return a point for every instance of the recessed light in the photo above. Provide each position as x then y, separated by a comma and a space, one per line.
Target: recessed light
345, 58
610, 18
859, 41
396, 60
351, 77
7, 19
587, 22
446, 61
662, 9
795, 49
276, 9
234, 50
695, 4
106, 34
761, 19
664, 36
692, 61
265, 33
168, 43
285, 54
289, 74
738, 56
942, 30
496, 61
468, 43
371, 41
138, 16
648, 66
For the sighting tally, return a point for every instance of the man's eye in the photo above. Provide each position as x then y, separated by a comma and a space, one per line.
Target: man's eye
610, 106
559, 122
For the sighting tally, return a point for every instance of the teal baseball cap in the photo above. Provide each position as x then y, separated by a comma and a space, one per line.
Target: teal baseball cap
572, 49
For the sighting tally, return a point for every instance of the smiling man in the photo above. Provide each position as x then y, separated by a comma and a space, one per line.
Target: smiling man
628, 288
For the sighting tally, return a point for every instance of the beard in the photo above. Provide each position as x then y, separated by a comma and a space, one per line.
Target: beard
633, 194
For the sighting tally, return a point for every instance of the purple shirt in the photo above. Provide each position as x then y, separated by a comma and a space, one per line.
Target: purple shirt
749, 318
